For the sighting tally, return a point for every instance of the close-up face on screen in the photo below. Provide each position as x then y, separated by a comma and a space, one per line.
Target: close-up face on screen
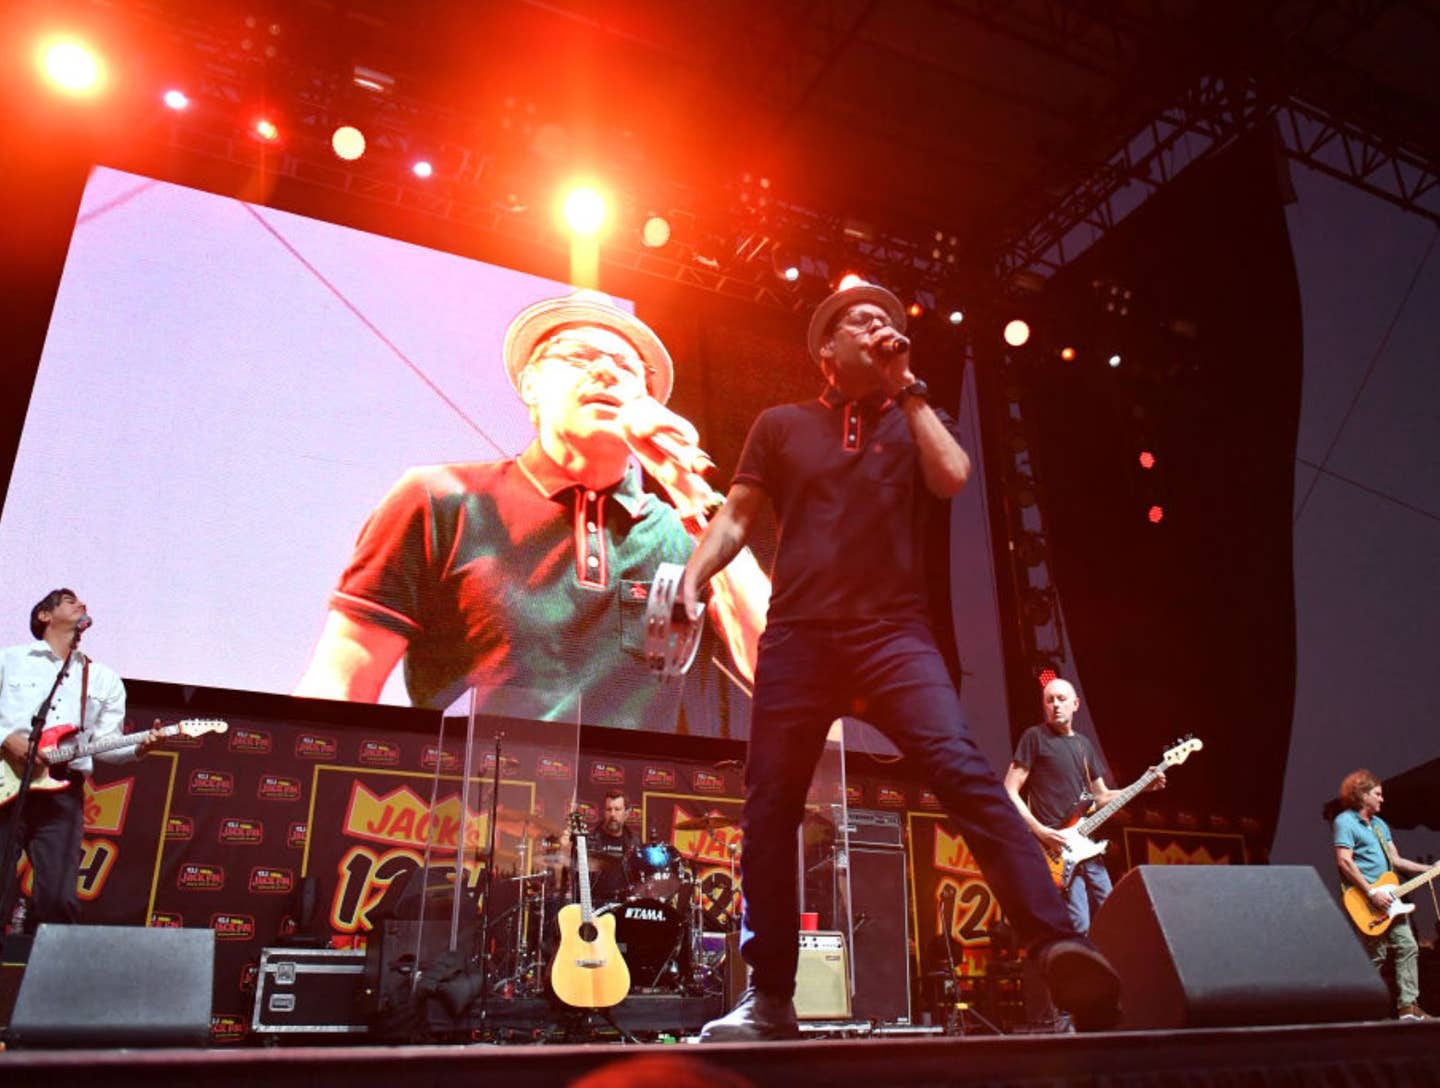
226, 394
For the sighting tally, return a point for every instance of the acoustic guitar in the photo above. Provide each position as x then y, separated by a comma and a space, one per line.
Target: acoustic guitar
1078, 844
588, 971
55, 746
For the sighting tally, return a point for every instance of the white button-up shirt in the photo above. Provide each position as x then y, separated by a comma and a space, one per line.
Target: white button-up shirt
26, 673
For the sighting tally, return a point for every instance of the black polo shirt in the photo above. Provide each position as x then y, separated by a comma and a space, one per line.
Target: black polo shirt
510, 575
852, 505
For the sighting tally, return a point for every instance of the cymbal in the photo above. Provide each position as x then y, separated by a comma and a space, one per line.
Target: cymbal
710, 822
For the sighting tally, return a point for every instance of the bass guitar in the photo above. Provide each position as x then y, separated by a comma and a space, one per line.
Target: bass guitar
1372, 920
56, 747
588, 971
1079, 846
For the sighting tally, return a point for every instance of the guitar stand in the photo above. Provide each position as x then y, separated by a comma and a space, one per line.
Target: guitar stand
578, 1020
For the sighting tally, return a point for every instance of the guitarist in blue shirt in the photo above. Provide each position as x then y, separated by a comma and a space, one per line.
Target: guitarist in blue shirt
1364, 852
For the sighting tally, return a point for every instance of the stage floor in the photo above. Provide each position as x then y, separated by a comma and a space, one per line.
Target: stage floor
1387, 1053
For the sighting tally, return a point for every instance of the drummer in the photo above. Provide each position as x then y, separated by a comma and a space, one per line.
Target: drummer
608, 846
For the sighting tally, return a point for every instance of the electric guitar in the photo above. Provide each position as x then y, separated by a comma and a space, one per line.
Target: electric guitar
1372, 920
55, 747
1079, 846
588, 971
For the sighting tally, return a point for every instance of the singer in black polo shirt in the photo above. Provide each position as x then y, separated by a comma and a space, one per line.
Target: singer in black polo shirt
854, 477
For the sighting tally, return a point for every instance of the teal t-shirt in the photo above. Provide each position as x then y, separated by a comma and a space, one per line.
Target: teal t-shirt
1359, 836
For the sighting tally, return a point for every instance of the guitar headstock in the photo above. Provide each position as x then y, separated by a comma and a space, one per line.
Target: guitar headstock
1181, 751
198, 727
577, 823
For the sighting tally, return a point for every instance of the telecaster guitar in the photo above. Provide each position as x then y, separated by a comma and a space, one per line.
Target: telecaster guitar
1079, 846
588, 971
1370, 919
55, 746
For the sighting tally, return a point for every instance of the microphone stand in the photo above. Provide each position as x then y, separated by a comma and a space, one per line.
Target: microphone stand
9, 857
484, 987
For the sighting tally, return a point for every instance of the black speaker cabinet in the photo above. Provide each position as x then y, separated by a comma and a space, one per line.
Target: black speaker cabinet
880, 921
1220, 945
116, 986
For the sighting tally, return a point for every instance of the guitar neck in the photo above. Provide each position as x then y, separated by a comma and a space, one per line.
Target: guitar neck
66, 752
582, 863
1112, 806
1415, 881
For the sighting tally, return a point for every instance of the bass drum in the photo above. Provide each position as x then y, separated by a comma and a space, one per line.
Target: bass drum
649, 934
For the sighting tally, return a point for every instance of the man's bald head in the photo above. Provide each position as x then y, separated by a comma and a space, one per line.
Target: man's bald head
1060, 703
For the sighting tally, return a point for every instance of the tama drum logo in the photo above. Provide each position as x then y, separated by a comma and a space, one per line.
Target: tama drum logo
659, 778
607, 774
310, 746
267, 881
553, 767
708, 782
645, 914
233, 927
179, 829
212, 784
196, 877
448, 761
251, 742
277, 787
890, 797
166, 919
379, 753
297, 835
929, 800
226, 1029
242, 832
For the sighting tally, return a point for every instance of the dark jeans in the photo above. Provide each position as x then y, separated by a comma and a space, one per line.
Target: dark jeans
806, 677
53, 824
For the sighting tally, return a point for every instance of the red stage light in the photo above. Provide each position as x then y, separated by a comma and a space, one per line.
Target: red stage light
71, 67
176, 99
1047, 675
915, 309
1147, 459
266, 130
584, 210
1068, 354
348, 143
422, 169
1156, 515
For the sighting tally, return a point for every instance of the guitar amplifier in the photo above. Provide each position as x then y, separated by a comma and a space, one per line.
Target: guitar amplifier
822, 984
310, 991
875, 827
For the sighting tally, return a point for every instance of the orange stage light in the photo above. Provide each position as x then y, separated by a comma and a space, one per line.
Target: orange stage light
1017, 333
585, 209
71, 67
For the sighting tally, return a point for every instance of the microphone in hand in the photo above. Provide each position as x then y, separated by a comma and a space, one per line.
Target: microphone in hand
83, 623
895, 345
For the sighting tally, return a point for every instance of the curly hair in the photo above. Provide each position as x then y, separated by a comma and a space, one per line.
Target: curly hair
1355, 786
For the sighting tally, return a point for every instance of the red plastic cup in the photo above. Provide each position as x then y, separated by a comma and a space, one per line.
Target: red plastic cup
809, 920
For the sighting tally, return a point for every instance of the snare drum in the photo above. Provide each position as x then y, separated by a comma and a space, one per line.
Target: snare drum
655, 870
648, 933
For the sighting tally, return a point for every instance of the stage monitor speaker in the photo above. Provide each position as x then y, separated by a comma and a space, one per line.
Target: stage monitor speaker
880, 924
1233, 945
116, 986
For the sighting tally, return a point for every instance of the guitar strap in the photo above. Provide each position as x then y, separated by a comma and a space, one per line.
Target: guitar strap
84, 691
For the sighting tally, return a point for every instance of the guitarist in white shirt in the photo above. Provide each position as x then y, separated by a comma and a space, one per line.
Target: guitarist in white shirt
53, 820
1358, 835
1057, 768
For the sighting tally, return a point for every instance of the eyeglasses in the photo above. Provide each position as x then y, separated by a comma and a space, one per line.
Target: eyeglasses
587, 357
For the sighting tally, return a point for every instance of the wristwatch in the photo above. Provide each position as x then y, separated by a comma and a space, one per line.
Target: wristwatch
916, 388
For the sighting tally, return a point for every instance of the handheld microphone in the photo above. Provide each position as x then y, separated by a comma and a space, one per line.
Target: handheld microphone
689, 458
83, 623
896, 345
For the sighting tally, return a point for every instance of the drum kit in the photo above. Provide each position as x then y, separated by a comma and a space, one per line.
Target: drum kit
659, 916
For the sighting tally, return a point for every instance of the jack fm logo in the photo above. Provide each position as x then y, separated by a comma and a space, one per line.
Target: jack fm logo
278, 787
179, 829
508, 764
226, 1029
929, 800
553, 767
379, 753
251, 742
659, 778
195, 876
310, 746
265, 880
239, 831
166, 919
890, 797
211, 784
297, 835
449, 761
233, 927
708, 782
607, 774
